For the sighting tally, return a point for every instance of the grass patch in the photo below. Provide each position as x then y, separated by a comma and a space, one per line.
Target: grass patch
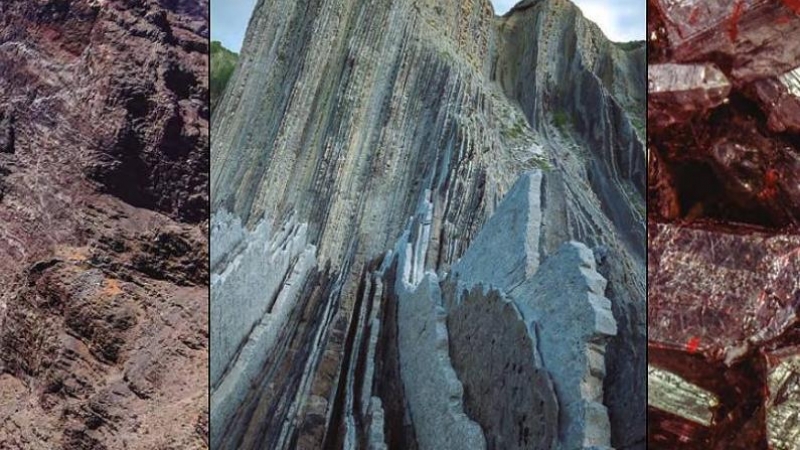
562, 120
517, 130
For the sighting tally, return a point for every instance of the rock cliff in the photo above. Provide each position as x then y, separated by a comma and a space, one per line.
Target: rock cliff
404, 199
103, 250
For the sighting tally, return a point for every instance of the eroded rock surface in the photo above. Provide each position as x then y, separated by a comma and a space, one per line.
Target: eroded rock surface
433, 390
391, 131
103, 251
506, 386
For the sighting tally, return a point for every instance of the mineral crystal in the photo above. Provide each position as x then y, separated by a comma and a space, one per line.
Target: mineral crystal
784, 403
780, 99
723, 241
721, 294
750, 33
679, 92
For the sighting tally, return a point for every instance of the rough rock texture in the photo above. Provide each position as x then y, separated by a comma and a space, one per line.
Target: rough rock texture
564, 311
723, 234
510, 239
573, 323
265, 267
391, 131
433, 390
507, 390
103, 256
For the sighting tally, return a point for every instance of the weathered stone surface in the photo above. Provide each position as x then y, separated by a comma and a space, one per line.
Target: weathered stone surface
103, 247
573, 321
104, 350
260, 267
354, 116
506, 388
554, 63
433, 390
6, 132
517, 218
376, 440
253, 297
506, 251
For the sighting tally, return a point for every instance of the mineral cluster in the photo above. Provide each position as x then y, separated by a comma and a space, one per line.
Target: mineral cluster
724, 251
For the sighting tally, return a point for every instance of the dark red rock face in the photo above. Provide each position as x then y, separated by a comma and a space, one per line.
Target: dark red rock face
103, 252
724, 211
124, 85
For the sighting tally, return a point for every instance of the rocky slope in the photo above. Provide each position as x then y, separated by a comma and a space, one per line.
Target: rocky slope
103, 168
363, 214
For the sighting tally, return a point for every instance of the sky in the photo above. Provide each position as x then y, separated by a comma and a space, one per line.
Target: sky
229, 20
620, 20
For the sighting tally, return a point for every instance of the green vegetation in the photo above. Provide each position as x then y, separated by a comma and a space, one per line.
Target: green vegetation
636, 114
517, 130
541, 162
561, 119
223, 61
638, 123
628, 46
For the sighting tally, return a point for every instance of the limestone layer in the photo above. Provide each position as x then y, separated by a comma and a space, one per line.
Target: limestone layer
425, 148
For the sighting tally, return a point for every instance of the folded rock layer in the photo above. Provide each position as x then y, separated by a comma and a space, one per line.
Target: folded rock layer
388, 134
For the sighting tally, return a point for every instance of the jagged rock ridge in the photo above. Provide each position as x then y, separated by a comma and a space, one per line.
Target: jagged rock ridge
103, 251
362, 152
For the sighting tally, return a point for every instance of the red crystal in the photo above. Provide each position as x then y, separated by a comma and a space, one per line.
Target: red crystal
724, 215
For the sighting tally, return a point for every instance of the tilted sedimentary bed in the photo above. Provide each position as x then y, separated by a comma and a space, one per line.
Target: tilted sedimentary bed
103, 247
409, 193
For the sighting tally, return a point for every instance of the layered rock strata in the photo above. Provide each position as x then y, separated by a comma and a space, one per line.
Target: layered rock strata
391, 133
103, 250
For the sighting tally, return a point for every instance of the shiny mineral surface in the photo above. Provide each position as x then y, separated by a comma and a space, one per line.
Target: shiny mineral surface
724, 215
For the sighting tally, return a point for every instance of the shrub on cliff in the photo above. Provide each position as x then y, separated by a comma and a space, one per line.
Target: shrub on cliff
223, 61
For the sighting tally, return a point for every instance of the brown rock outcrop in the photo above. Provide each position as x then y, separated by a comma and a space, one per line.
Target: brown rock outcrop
103, 253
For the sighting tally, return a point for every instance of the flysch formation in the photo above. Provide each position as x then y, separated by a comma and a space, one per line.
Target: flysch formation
428, 228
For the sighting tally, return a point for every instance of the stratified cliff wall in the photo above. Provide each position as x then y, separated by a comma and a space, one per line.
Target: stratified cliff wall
360, 148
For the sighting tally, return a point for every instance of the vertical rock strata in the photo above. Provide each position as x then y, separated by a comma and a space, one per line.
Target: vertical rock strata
409, 151
433, 391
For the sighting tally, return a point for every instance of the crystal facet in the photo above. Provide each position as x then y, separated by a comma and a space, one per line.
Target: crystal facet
678, 92
780, 99
751, 34
724, 215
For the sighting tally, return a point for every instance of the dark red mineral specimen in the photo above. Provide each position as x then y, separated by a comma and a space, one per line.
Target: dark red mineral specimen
724, 215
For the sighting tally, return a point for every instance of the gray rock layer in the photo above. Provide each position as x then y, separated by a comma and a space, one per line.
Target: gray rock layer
506, 387
352, 116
